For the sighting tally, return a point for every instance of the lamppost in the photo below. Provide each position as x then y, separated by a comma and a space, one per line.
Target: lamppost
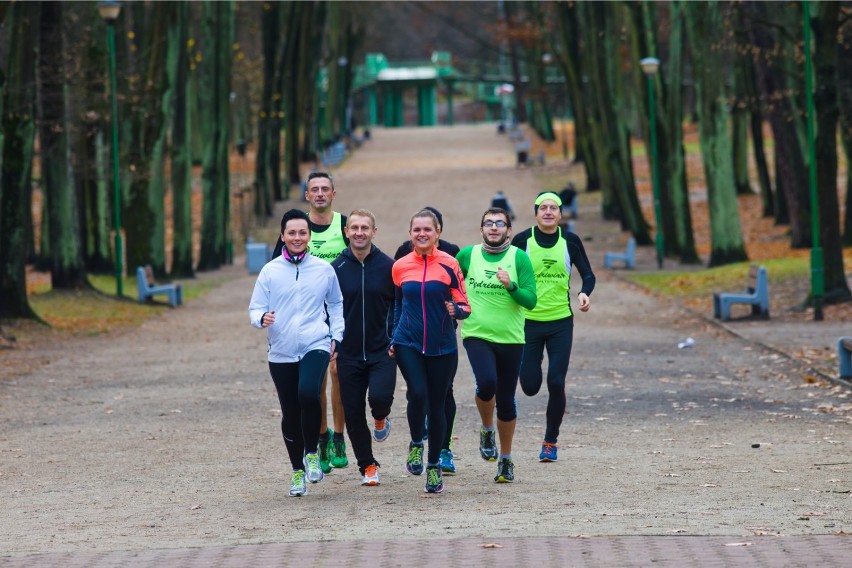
109, 12
817, 273
650, 66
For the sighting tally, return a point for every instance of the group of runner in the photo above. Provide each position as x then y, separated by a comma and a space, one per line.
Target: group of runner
327, 276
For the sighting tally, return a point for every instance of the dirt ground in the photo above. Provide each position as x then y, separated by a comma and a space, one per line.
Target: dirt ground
168, 436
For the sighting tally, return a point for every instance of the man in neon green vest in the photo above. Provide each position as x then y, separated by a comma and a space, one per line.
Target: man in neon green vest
500, 285
550, 325
328, 240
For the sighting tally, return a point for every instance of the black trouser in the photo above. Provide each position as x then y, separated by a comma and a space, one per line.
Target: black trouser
495, 368
557, 336
375, 381
298, 386
428, 379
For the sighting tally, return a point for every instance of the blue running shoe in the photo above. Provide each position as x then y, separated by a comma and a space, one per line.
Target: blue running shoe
434, 482
487, 445
381, 431
548, 452
447, 465
414, 461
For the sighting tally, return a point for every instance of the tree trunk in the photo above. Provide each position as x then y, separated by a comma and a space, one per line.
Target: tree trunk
181, 150
17, 155
844, 99
767, 199
215, 98
706, 24
66, 255
825, 26
739, 149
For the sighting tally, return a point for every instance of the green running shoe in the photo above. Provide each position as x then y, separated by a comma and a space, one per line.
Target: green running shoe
337, 452
448, 466
505, 471
313, 472
323, 450
487, 445
414, 461
297, 484
434, 481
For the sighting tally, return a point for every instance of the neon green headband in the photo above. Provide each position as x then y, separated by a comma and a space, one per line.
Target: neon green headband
548, 195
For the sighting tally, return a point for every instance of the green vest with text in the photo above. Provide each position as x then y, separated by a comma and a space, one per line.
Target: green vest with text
329, 244
552, 278
494, 315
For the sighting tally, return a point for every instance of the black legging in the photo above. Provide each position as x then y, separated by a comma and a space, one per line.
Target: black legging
373, 380
557, 336
428, 380
495, 368
298, 386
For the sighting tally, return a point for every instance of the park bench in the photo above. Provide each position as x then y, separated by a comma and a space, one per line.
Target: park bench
628, 257
756, 294
257, 255
147, 288
334, 154
844, 357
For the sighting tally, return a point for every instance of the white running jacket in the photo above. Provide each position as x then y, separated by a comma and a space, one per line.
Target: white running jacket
300, 295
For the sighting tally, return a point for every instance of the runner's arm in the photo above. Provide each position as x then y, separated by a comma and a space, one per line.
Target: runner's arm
524, 292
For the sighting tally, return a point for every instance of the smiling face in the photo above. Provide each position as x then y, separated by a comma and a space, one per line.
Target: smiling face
492, 234
320, 194
548, 216
296, 235
424, 234
360, 232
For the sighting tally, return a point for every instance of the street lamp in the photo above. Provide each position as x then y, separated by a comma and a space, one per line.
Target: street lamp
817, 267
650, 66
109, 12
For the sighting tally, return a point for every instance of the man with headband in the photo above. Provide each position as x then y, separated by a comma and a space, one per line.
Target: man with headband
550, 325
500, 285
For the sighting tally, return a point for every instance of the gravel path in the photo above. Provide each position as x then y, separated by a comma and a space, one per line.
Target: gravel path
167, 436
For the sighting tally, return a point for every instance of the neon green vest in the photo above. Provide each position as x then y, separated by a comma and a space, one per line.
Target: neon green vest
328, 244
494, 315
551, 280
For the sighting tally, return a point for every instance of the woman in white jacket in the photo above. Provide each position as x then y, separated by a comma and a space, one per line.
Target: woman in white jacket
297, 300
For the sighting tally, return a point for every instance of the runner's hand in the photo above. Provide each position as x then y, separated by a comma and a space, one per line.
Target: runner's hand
585, 302
267, 319
451, 309
504, 279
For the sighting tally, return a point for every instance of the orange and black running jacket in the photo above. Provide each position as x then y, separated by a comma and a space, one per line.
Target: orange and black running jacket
423, 284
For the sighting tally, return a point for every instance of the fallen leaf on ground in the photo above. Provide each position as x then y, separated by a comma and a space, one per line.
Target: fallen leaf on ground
739, 543
491, 545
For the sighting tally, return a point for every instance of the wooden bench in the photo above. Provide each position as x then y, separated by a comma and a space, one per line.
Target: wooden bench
147, 288
844, 357
756, 294
628, 257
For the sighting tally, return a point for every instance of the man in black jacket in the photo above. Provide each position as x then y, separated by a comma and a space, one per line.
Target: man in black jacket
364, 367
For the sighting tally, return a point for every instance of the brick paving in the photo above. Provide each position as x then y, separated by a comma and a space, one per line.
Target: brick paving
629, 551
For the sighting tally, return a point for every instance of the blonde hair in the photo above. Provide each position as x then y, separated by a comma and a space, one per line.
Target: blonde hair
362, 213
425, 213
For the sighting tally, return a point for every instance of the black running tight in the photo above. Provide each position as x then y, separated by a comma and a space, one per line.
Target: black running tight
298, 385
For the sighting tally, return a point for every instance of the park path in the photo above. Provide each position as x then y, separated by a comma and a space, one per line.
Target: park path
163, 442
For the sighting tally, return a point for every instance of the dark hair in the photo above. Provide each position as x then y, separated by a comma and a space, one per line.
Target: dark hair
315, 175
438, 216
294, 214
496, 211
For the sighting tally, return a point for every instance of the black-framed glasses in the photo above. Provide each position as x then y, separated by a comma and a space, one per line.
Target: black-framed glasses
499, 224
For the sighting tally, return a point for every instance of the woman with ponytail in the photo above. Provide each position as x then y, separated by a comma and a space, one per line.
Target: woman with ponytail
291, 298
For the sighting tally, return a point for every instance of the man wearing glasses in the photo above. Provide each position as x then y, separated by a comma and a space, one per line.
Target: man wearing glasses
500, 285
328, 240
550, 325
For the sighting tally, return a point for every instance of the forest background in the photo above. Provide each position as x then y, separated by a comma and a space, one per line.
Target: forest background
224, 106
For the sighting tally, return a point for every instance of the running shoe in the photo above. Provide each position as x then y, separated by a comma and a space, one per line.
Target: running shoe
548, 452
323, 450
313, 472
448, 466
297, 484
381, 430
414, 461
505, 471
371, 475
337, 452
434, 482
487, 445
